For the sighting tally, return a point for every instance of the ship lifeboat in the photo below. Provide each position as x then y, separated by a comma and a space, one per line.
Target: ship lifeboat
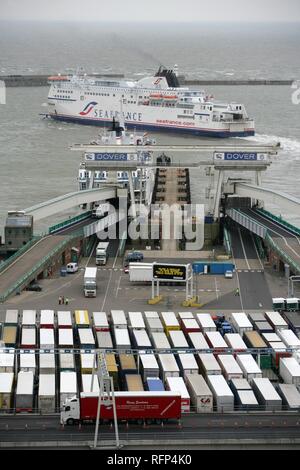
170, 97
156, 96
58, 78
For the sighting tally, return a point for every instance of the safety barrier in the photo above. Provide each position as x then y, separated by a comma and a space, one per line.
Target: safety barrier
69, 222
269, 240
227, 242
279, 221
18, 253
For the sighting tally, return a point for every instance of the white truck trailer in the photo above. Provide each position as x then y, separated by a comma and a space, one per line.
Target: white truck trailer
140, 272
102, 253
90, 282
200, 393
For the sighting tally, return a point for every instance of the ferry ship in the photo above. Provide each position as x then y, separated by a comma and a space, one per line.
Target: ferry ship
156, 103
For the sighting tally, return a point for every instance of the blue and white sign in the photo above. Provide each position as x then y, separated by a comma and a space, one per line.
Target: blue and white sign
108, 157
240, 156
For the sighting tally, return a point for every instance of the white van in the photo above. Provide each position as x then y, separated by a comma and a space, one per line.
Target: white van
72, 268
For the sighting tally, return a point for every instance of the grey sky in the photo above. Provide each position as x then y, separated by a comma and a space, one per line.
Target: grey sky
152, 10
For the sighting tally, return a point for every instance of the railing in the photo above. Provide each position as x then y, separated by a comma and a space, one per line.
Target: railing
283, 254
227, 241
21, 281
69, 222
18, 253
279, 221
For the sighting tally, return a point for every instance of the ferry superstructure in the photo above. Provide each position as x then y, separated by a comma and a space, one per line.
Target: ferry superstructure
156, 103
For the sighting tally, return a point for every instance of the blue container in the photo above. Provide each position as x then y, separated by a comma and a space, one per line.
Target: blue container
212, 267
155, 385
63, 272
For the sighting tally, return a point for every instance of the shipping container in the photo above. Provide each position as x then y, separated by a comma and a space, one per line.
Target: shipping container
68, 386
257, 316
209, 364
187, 364
254, 340
66, 361
136, 320
9, 336
263, 327
290, 396
7, 360
239, 384
200, 394
216, 341
140, 339
266, 394
271, 338
46, 394
86, 380
278, 303
154, 384
149, 366
24, 391
170, 321
82, 319
223, 396
86, 338
28, 338
276, 320
112, 368
100, 321
186, 315
11, 317
65, 338
235, 341
279, 350
47, 338
104, 340
249, 366
28, 318
64, 319
154, 324
127, 364
198, 341
47, 362
292, 304
293, 319
134, 383
190, 326
209, 267
87, 362
151, 314
160, 341
6, 390
27, 361
118, 319
168, 366
289, 370
246, 400
47, 319
289, 338
241, 322
177, 340
176, 384
206, 322
230, 368
122, 340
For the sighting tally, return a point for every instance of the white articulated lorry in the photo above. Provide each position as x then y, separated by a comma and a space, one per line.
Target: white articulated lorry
90, 282
102, 253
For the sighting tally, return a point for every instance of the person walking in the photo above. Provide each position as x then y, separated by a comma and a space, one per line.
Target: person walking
59, 300
63, 300
237, 291
66, 301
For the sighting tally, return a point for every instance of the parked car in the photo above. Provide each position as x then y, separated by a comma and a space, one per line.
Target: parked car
72, 268
34, 287
135, 256
228, 274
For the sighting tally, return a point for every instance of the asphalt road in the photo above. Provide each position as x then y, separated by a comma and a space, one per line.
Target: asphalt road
237, 426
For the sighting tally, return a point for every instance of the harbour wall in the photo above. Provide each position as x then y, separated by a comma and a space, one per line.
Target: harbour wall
42, 80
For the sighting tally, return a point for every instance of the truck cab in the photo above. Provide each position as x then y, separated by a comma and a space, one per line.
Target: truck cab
70, 412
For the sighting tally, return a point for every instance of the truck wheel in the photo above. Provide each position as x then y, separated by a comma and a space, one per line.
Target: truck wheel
70, 422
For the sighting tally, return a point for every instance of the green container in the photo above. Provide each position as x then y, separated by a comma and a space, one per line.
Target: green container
266, 361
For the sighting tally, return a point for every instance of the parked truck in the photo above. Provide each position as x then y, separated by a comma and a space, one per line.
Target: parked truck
130, 406
90, 282
102, 253
140, 272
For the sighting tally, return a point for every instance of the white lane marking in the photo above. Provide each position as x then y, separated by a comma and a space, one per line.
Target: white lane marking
243, 247
238, 281
106, 292
118, 287
217, 290
258, 257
